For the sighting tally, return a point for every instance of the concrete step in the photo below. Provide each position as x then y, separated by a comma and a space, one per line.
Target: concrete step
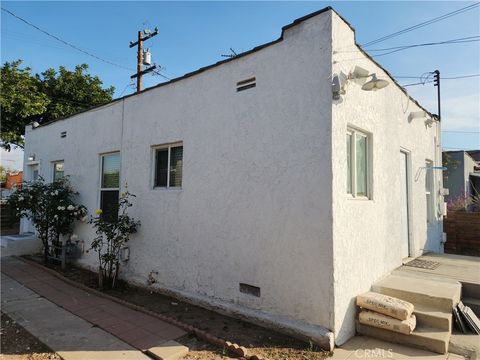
433, 318
440, 295
473, 304
422, 337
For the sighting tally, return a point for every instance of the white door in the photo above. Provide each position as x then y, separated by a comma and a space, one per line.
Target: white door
404, 204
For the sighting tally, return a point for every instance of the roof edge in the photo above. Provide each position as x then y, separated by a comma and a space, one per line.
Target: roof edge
248, 52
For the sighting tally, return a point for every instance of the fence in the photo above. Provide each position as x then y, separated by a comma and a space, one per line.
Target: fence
463, 233
9, 222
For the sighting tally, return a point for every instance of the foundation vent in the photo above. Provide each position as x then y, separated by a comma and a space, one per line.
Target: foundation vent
246, 84
250, 289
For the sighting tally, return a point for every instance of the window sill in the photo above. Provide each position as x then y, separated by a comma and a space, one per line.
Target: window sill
167, 188
358, 198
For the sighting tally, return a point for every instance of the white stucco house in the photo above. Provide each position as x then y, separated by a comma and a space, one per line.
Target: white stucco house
269, 185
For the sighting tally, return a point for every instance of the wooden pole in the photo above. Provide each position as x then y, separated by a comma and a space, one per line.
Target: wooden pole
139, 61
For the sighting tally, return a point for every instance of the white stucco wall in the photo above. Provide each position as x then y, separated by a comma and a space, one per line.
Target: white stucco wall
366, 233
255, 205
263, 200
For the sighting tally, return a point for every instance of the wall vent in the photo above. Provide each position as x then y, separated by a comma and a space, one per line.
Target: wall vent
250, 289
246, 84
63, 134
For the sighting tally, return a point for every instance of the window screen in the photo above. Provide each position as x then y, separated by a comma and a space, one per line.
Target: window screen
161, 172
110, 185
57, 171
169, 167
361, 164
176, 160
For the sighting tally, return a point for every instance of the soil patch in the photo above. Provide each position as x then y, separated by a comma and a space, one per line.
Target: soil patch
19, 344
259, 340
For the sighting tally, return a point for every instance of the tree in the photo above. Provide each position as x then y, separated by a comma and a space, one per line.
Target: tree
21, 101
3, 173
44, 97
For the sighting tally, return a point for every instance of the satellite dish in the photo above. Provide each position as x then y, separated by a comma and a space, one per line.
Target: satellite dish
375, 84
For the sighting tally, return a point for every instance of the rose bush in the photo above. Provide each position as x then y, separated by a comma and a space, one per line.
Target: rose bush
51, 207
112, 233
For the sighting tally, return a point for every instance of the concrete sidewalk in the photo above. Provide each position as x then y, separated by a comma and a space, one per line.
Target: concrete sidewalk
68, 335
62, 315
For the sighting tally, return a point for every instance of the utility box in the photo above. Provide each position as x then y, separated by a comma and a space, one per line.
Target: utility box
147, 57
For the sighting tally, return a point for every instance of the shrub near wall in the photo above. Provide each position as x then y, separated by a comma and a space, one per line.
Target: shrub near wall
463, 233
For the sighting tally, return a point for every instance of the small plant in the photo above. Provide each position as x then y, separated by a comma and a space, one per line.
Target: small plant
50, 207
461, 202
112, 233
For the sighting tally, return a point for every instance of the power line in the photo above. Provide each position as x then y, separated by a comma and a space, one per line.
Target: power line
417, 45
461, 132
407, 47
460, 77
430, 81
425, 23
418, 83
449, 42
64, 42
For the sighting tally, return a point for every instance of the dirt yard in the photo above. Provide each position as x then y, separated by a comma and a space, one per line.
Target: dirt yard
19, 344
257, 339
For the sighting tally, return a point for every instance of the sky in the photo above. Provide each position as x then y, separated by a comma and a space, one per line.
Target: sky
196, 34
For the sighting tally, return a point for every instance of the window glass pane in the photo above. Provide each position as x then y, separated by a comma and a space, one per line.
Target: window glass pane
176, 160
111, 171
161, 168
57, 171
109, 204
349, 163
361, 164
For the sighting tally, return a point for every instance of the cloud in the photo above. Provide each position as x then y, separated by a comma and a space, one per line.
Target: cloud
13, 159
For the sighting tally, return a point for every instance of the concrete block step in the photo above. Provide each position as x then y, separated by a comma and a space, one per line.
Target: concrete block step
474, 304
433, 318
423, 338
169, 350
442, 296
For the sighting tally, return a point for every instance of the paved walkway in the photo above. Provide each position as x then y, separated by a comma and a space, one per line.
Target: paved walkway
127, 326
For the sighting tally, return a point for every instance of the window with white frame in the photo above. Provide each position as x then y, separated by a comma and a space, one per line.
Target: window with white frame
358, 167
110, 184
57, 170
168, 166
429, 191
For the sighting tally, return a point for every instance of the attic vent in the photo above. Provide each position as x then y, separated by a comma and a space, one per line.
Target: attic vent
246, 84
250, 289
63, 134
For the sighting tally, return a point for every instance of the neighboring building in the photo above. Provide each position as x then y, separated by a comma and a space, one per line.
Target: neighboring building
475, 154
462, 177
263, 189
12, 181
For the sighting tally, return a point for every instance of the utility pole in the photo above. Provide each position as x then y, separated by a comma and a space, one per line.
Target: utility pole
436, 82
140, 56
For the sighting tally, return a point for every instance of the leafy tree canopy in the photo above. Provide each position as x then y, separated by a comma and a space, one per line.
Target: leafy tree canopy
27, 97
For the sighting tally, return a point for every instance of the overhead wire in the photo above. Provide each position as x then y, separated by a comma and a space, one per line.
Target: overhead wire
65, 42
72, 45
423, 24
461, 132
407, 47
